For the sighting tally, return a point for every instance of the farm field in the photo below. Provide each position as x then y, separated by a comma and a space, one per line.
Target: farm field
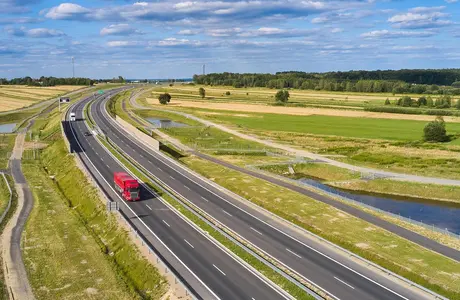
16, 96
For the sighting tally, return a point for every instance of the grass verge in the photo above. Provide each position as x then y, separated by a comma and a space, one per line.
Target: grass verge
6, 147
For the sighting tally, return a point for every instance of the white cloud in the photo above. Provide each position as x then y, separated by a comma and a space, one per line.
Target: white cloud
119, 29
421, 17
188, 32
67, 11
451, 1
34, 33
383, 34
122, 43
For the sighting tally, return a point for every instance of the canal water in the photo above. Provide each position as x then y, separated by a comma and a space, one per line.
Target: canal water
444, 215
7, 128
165, 123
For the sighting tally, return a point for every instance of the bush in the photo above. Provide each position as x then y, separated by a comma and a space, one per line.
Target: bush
227, 93
164, 98
202, 92
435, 131
282, 96
387, 102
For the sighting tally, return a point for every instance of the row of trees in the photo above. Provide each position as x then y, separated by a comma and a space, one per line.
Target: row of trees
341, 81
46, 81
442, 102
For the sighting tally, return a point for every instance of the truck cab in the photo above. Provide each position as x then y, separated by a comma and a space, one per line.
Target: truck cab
127, 186
72, 116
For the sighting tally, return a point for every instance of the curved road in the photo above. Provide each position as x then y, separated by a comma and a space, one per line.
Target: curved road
344, 279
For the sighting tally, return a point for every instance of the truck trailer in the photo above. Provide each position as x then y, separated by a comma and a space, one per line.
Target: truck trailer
127, 186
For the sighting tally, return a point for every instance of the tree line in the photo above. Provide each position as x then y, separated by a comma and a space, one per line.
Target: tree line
396, 82
46, 81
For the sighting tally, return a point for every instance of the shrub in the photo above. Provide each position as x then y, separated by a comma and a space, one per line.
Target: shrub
387, 102
227, 93
282, 96
435, 131
164, 98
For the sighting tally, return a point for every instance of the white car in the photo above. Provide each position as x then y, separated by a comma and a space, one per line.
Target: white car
72, 116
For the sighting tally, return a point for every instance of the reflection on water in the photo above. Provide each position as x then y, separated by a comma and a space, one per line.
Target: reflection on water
443, 215
165, 123
7, 128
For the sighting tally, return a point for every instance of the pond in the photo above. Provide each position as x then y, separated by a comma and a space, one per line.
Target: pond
444, 215
165, 123
7, 128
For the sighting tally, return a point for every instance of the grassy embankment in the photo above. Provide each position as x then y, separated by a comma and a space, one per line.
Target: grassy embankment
388, 250
74, 248
6, 146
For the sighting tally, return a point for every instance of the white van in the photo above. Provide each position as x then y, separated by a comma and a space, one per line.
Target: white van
72, 116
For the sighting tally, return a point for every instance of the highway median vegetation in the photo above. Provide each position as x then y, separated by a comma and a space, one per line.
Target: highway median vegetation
73, 246
371, 242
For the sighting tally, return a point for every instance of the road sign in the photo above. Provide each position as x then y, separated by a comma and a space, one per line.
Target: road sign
64, 100
100, 92
112, 206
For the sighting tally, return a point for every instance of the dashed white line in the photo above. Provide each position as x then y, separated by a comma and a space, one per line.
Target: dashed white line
344, 282
166, 223
189, 243
205, 199
219, 269
294, 253
107, 166
149, 208
172, 177
227, 213
160, 169
187, 187
256, 231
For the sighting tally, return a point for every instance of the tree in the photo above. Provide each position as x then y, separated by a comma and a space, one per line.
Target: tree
282, 96
202, 92
422, 101
429, 101
435, 131
164, 98
387, 102
457, 105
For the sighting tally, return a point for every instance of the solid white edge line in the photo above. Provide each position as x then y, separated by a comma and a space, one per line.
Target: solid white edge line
110, 186
344, 282
161, 158
242, 263
219, 269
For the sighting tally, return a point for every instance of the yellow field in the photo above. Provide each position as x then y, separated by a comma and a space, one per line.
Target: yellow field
17, 96
298, 111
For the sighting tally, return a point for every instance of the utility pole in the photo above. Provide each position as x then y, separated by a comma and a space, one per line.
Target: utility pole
204, 69
73, 67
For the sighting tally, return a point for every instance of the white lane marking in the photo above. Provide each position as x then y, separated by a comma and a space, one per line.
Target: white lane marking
294, 253
107, 166
148, 207
205, 199
189, 243
344, 282
101, 158
256, 231
187, 187
166, 223
219, 269
227, 213
172, 177
160, 169
141, 155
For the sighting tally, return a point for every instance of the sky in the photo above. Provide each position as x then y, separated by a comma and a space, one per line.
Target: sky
174, 38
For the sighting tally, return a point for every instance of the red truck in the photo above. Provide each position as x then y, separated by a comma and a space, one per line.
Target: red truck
127, 186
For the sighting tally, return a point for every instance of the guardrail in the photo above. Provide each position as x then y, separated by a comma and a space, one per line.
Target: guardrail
7, 209
158, 259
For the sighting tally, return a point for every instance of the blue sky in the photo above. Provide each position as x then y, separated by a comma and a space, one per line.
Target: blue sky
174, 38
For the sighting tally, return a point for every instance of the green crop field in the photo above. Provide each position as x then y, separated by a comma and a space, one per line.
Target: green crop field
387, 129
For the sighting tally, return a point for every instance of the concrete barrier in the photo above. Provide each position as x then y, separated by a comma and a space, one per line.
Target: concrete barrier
149, 141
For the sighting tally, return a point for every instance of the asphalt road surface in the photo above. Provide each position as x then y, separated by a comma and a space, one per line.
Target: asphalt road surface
209, 271
344, 281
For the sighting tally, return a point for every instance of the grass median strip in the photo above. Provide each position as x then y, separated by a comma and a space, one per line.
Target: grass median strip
278, 279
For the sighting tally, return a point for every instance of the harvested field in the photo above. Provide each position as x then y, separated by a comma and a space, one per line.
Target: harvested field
15, 97
297, 111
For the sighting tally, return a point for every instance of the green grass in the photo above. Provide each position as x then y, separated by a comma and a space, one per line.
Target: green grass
240, 252
4, 195
6, 147
388, 250
387, 129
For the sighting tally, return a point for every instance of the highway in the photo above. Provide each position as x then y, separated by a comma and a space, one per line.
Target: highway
343, 280
209, 271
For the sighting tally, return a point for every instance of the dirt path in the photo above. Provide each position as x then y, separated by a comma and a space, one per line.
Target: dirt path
299, 111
